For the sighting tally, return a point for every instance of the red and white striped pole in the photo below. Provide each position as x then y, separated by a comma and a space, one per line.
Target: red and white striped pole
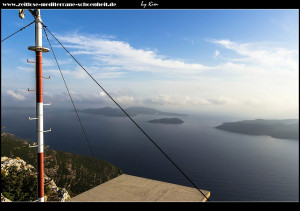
39, 107
39, 102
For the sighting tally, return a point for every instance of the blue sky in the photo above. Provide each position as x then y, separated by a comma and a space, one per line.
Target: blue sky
242, 62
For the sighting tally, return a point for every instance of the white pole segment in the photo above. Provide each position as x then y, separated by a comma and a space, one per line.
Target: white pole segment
38, 29
40, 126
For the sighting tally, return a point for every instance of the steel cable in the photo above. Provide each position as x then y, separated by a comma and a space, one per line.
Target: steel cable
18, 31
70, 96
45, 27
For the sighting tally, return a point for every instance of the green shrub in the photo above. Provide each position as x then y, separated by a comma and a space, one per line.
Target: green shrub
19, 185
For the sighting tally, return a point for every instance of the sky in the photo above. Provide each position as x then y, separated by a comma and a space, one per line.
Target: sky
224, 61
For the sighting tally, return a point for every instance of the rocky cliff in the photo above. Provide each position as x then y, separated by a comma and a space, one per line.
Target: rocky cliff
8, 165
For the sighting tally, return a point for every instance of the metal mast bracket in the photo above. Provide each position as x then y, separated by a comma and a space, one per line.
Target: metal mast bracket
34, 145
39, 48
32, 118
29, 61
45, 131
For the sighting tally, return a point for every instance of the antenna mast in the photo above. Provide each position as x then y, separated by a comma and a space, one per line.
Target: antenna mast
39, 98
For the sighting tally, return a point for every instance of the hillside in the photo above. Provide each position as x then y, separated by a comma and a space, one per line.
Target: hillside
282, 129
74, 172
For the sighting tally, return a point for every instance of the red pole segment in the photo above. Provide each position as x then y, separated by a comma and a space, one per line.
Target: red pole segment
41, 176
39, 77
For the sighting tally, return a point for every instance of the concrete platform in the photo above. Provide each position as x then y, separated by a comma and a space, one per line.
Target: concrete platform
127, 188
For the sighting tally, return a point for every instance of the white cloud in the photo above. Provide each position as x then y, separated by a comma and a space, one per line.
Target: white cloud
102, 94
18, 95
120, 55
221, 100
125, 100
117, 58
187, 100
217, 53
264, 55
244, 75
76, 73
27, 69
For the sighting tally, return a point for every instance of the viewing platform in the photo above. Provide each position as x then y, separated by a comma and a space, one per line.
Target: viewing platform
127, 188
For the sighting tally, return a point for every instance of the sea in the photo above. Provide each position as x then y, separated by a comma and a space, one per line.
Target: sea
233, 167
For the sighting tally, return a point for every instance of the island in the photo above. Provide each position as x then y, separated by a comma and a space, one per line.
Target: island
167, 121
131, 111
281, 129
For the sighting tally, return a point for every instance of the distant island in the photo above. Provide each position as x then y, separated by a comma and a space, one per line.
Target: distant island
282, 129
167, 121
132, 111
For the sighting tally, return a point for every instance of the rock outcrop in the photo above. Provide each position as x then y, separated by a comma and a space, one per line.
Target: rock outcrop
4, 199
55, 193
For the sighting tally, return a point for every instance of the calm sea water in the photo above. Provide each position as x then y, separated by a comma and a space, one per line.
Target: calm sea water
234, 167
